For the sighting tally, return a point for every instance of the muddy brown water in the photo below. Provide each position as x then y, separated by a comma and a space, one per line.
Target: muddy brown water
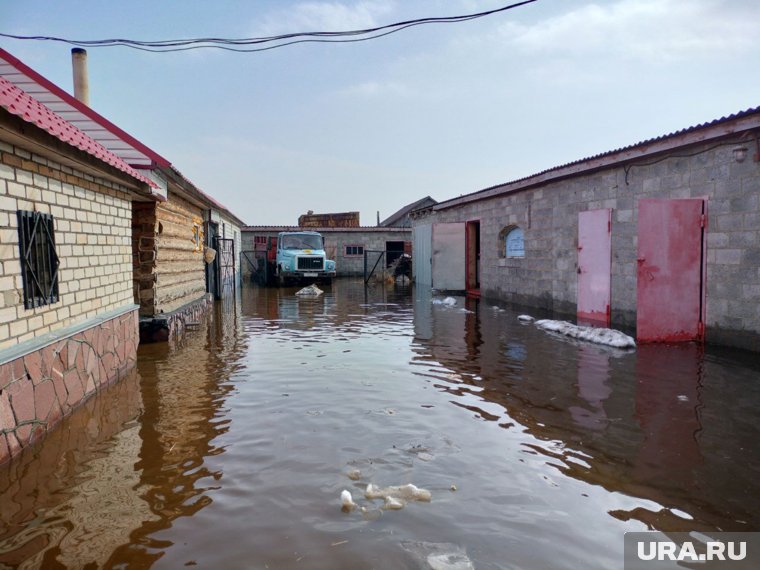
231, 451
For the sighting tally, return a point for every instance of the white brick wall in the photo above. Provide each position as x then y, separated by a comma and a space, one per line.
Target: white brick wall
93, 234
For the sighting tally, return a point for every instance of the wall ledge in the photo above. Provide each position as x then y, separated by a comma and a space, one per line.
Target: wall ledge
40, 342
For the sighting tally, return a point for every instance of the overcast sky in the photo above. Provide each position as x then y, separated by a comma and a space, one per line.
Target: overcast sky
439, 110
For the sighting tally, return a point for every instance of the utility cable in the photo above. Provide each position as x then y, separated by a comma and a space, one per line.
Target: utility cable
238, 45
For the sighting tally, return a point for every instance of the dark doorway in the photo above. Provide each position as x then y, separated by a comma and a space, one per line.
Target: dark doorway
472, 257
393, 250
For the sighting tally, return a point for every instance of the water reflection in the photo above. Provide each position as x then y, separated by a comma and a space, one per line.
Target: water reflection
634, 422
232, 450
99, 489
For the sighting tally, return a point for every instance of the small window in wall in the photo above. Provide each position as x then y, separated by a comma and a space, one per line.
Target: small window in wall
354, 250
512, 242
39, 260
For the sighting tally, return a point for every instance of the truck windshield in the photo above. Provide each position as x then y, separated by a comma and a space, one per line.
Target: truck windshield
301, 241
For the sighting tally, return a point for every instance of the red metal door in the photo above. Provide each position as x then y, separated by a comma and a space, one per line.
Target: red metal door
594, 267
670, 276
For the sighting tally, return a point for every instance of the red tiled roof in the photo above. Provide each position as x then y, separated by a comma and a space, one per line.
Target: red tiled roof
23, 105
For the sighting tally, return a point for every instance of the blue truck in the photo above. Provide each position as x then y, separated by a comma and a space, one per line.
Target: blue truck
300, 257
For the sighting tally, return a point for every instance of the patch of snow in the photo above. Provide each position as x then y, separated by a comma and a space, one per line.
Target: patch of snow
609, 337
525, 318
448, 301
310, 291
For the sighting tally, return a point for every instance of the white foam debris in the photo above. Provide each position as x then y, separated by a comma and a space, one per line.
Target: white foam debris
438, 556
354, 474
393, 504
609, 337
525, 318
347, 501
448, 301
310, 291
683, 398
396, 497
452, 561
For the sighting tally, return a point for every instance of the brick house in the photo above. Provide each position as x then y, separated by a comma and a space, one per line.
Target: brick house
663, 236
68, 321
173, 284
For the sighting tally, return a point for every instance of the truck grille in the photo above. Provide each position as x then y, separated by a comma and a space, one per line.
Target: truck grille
310, 263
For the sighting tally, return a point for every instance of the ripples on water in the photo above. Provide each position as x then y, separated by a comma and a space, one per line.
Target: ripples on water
231, 451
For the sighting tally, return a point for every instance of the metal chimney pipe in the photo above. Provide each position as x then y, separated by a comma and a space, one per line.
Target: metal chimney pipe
81, 79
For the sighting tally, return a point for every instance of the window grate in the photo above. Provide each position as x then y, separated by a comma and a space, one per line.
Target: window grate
39, 261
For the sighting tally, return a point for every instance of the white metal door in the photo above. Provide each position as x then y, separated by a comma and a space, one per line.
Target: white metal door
422, 261
449, 261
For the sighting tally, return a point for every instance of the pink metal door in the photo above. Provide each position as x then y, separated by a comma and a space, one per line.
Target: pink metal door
670, 276
594, 267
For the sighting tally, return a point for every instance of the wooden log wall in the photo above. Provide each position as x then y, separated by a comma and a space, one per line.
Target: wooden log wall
179, 269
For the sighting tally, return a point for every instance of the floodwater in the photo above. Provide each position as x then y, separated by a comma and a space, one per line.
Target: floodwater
232, 450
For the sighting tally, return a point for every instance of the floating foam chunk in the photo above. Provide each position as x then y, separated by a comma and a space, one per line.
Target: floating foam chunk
310, 291
438, 556
401, 493
354, 474
608, 337
347, 501
393, 504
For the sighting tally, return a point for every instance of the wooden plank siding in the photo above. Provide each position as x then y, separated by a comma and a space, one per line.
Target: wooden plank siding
179, 268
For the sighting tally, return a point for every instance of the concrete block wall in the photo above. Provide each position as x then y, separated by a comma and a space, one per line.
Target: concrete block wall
92, 221
548, 213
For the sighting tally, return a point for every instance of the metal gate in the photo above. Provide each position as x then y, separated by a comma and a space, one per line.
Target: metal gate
594, 266
225, 249
449, 256
671, 270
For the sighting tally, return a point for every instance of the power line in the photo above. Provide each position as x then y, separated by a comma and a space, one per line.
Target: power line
269, 42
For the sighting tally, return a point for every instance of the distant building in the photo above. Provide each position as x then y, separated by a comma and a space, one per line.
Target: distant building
402, 218
340, 220
663, 235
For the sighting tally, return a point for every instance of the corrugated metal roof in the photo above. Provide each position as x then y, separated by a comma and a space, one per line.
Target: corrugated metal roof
23, 105
663, 143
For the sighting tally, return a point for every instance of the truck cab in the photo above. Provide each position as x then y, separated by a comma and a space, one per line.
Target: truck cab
301, 257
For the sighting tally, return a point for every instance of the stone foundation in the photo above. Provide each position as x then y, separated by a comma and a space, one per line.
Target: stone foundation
41, 387
172, 326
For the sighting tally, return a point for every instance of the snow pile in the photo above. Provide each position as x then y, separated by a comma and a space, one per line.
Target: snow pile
396, 497
448, 301
608, 337
310, 291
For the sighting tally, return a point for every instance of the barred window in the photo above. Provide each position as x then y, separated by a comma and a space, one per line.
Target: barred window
39, 260
354, 250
